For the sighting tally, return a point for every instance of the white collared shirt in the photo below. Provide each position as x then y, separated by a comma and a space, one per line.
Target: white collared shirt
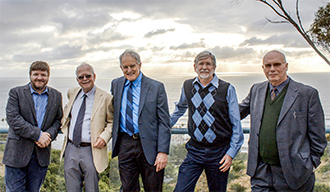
86, 131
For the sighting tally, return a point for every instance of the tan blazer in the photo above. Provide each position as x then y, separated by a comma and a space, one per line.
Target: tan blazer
101, 124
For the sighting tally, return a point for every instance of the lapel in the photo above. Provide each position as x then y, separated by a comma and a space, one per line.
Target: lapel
144, 91
98, 99
290, 97
118, 95
28, 96
259, 105
71, 100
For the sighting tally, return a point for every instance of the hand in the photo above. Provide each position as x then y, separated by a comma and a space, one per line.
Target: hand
161, 161
99, 143
226, 163
44, 140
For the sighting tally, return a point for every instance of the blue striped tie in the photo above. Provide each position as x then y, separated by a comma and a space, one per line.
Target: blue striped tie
129, 110
78, 126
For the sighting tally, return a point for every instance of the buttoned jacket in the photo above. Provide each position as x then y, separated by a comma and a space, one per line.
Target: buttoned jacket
300, 130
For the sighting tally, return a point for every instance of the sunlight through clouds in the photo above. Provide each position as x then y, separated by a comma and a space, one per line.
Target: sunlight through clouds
167, 34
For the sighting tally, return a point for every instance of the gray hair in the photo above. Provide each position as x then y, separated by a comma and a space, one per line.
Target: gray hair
204, 55
133, 54
85, 64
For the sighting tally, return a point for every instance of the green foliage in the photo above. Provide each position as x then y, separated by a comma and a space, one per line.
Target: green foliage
54, 180
325, 168
320, 29
177, 154
237, 187
237, 166
326, 155
2, 183
109, 178
321, 187
232, 176
2, 147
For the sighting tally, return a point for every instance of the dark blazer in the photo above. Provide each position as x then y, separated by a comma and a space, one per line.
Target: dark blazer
23, 127
154, 119
300, 130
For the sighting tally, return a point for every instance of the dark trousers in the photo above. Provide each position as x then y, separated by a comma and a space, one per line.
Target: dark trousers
270, 178
28, 178
198, 160
132, 162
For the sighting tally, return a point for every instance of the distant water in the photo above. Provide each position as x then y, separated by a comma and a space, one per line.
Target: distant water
173, 84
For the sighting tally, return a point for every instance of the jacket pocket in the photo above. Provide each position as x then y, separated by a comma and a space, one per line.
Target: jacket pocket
13, 136
304, 155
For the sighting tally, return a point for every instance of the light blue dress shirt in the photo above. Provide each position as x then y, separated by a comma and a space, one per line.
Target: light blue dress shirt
85, 130
136, 88
237, 137
40, 104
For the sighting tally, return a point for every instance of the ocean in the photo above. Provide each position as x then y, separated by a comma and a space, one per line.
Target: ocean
173, 84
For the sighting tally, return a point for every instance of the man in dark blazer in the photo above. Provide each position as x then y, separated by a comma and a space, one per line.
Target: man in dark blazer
287, 133
141, 126
34, 113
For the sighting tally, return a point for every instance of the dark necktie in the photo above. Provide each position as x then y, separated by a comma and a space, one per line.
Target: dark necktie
78, 126
129, 110
272, 93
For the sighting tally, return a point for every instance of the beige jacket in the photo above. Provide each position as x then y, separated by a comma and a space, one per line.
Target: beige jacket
101, 124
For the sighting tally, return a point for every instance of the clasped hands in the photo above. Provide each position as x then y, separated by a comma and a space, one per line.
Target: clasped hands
44, 140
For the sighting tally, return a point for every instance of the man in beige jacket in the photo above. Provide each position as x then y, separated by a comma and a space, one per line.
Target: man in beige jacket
87, 126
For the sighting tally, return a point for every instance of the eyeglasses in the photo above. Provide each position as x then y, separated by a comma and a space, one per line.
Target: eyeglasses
275, 65
83, 76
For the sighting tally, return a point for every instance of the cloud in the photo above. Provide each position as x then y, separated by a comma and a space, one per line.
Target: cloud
169, 32
200, 44
157, 32
286, 40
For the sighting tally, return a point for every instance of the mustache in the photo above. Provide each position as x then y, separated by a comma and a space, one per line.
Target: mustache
204, 71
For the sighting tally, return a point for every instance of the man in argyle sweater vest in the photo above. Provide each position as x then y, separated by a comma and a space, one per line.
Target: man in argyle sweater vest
213, 125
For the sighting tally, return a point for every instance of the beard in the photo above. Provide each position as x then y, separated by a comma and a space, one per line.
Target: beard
205, 74
39, 85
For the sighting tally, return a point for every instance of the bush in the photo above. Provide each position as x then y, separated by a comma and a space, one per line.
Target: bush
237, 187
325, 168
2, 184
321, 187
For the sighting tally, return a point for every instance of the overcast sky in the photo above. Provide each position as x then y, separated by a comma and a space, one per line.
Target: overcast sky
167, 34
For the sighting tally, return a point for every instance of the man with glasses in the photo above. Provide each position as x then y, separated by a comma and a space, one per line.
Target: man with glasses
287, 133
86, 124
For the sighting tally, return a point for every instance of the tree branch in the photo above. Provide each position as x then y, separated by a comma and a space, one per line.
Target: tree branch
299, 27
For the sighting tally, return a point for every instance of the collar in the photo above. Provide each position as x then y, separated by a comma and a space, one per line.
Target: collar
280, 86
90, 93
214, 81
33, 91
136, 82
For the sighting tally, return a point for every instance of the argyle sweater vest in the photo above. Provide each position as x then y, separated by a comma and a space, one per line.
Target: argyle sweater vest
209, 125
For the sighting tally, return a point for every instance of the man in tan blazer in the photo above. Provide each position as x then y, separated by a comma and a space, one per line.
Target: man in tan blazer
87, 126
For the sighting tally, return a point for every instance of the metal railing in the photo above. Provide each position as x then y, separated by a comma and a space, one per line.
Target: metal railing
179, 130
